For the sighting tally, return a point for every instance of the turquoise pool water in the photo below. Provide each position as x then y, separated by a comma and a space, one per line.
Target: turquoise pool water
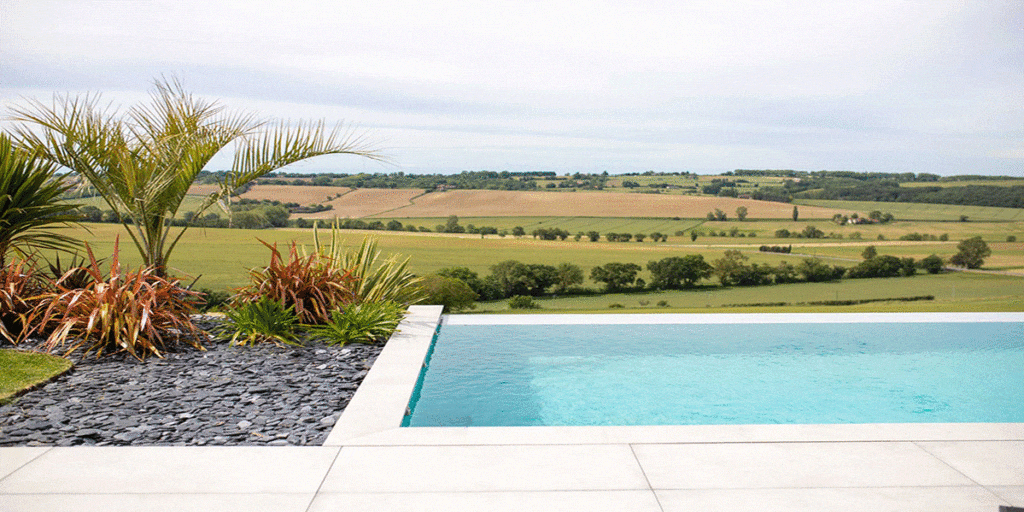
706, 374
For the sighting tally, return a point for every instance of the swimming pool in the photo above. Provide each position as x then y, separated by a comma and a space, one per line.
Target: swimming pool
555, 370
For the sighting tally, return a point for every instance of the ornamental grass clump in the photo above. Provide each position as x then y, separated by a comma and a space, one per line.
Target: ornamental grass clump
21, 290
133, 311
313, 285
369, 322
263, 320
379, 279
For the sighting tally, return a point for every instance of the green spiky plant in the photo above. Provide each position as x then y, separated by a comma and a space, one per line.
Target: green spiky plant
133, 311
143, 162
30, 204
368, 322
379, 279
314, 285
21, 291
263, 320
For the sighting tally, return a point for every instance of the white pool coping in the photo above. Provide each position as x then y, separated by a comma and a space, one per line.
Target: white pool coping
374, 415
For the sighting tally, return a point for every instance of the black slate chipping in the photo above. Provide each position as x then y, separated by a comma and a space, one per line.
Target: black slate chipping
225, 396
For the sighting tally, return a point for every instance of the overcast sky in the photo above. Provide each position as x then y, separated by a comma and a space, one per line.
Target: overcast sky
624, 86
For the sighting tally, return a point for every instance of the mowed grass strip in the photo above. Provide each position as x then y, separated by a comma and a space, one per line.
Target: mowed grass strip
923, 211
22, 370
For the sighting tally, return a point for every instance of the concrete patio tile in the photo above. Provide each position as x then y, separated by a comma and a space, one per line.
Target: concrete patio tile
1012, 494
985, 462
15, 457
484, 468
166, 469
779, 465
155, 502
590, 501
875, 499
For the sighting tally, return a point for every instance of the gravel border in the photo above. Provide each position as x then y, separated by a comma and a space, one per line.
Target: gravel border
223, 396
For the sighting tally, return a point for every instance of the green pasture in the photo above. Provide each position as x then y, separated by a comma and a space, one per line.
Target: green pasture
190, 203
924, 211
222, 258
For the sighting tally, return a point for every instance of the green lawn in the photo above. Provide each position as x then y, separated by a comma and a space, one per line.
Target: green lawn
22, 370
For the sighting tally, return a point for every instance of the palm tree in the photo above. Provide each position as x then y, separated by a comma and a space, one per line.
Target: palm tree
30, 203
144, 162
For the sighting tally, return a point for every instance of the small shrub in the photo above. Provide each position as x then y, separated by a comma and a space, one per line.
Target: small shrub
615, 305
369, 322
450, 292
131, 311
21, 290
522, 302
662, 303
259, 321
1011, 238
313, 285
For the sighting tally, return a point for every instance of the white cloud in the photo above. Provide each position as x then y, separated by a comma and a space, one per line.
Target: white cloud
675, 85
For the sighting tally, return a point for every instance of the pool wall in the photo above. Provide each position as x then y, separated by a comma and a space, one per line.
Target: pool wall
374, 415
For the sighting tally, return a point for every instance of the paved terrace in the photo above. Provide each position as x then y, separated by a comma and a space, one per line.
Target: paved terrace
368, 463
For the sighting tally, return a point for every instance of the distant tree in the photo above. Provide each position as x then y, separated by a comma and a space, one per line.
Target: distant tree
963, 218
639, 237
711, 216
782, 233
812, 232
879, 266
720, 215
452, 225
972, 253
741, 213
593, 236
394, 225
814, 270
796, 214
869, 252
676, 272
931, 264
615, 276
451, 293
91, 213
567, 275
693, 236
518, 231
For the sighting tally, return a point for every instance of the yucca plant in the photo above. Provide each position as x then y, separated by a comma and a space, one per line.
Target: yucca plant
380, 279
143, 162
134, 311
263, 320
368, 322
314, 285
21, 290
30, 203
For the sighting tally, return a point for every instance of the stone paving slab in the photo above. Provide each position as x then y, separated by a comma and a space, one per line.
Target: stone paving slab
558, 501
485, 469
178, 470
876, 499
163, 502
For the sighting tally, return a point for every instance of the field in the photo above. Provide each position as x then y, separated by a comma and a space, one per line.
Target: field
922, 211
222, 257
414, 203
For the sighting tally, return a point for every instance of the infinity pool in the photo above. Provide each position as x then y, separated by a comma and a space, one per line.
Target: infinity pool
702, 370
